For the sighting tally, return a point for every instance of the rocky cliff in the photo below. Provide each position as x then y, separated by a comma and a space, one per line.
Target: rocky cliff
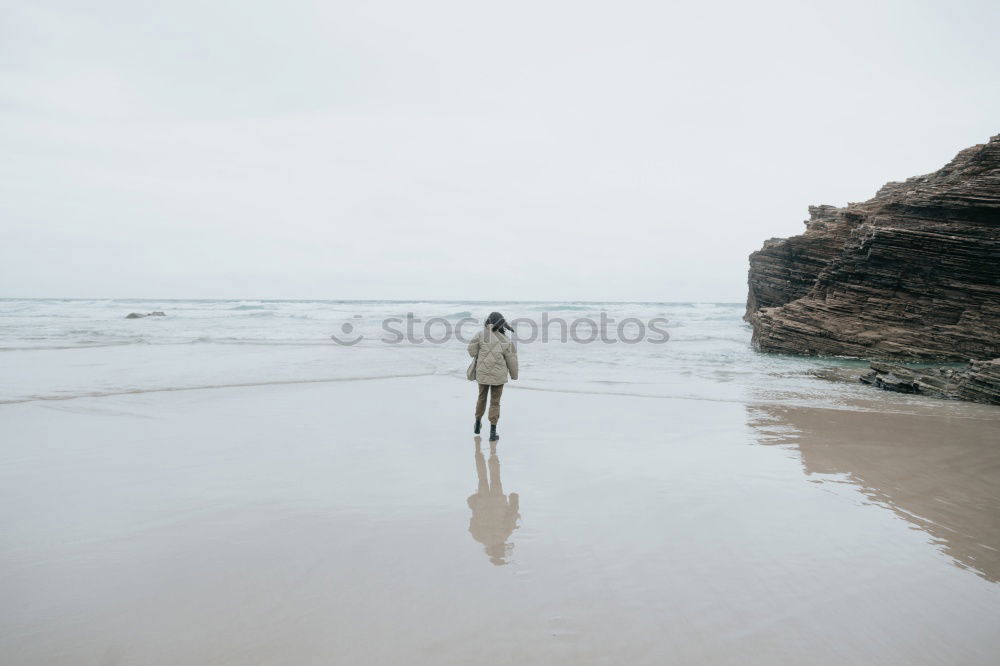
911, 274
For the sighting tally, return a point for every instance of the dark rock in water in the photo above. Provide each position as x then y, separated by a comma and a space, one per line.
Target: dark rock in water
980, 382
892, 382
912, 274
139, 315
933, 381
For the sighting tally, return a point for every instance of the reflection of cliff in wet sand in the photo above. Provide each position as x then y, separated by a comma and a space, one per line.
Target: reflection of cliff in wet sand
494, 515
940, 474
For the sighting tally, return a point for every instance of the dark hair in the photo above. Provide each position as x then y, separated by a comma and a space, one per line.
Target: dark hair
497, 323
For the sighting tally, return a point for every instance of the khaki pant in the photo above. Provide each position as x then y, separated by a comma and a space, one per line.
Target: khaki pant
494, 392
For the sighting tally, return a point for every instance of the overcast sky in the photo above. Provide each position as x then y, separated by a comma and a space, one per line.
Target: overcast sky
460, 150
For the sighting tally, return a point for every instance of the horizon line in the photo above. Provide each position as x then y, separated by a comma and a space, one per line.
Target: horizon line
353, 300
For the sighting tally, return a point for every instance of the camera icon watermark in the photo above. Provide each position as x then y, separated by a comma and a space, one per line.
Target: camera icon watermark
604, 329
349, 332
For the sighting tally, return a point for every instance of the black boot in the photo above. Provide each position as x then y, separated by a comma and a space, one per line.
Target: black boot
479, 426
493, 432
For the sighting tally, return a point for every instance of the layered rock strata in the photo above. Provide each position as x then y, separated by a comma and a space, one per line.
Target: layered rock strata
979, 382
911, 274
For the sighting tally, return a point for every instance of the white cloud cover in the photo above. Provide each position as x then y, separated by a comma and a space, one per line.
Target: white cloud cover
460, 150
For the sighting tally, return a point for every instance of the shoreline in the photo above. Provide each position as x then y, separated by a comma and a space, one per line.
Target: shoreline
923, 405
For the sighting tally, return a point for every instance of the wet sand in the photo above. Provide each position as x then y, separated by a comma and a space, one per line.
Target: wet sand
361, 523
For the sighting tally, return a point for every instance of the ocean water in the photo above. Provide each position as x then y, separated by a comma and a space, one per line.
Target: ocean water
57, 349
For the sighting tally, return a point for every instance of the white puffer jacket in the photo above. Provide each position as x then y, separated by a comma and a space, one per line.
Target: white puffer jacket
495, 355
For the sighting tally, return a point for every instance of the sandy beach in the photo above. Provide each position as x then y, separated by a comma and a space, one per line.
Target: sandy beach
360, 522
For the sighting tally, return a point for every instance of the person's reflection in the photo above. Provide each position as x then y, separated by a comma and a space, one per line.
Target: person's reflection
494, 515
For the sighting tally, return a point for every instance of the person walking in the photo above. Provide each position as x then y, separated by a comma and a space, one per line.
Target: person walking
495, 360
